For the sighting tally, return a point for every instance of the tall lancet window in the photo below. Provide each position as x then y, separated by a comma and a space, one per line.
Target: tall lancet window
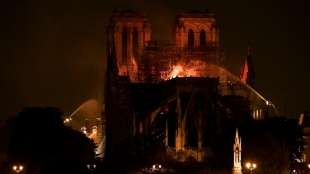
135, 42
203, 39
124, 44
191, 39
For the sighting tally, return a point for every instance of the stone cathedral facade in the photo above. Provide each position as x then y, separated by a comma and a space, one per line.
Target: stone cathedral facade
181, 89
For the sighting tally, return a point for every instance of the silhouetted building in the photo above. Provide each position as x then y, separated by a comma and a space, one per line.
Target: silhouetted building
304, 122
183, 83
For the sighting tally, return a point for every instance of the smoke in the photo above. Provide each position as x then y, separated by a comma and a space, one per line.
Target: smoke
54, 51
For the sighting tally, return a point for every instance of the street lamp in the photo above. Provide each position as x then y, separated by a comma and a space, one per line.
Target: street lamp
156, 167
84, 130
18, 168
91, 167
67, 120
250, 166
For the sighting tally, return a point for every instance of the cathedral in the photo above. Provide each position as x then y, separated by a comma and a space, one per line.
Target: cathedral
179, 90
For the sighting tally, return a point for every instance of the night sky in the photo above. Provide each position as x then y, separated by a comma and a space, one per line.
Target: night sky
53, 51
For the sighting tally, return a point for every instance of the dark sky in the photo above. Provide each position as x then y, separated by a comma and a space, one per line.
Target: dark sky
54, 50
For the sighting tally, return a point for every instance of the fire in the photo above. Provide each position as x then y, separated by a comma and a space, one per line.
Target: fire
193, 68
177, 70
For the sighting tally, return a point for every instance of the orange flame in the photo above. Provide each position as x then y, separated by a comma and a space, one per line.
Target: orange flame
193, 68
177, 70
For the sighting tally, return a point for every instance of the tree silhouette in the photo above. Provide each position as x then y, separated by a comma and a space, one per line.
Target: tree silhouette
39, 140
270, 143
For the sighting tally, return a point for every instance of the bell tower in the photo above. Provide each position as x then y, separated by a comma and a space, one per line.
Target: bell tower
130, 31
196, 29
237, 168
196, 32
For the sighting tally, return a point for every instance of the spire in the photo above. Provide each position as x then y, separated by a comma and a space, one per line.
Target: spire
237, 168
247, 74
237, 135
244, 72
237, 145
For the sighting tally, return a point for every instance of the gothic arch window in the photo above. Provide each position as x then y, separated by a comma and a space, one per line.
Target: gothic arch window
135, 42
203, 39
124, 44
191, 39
